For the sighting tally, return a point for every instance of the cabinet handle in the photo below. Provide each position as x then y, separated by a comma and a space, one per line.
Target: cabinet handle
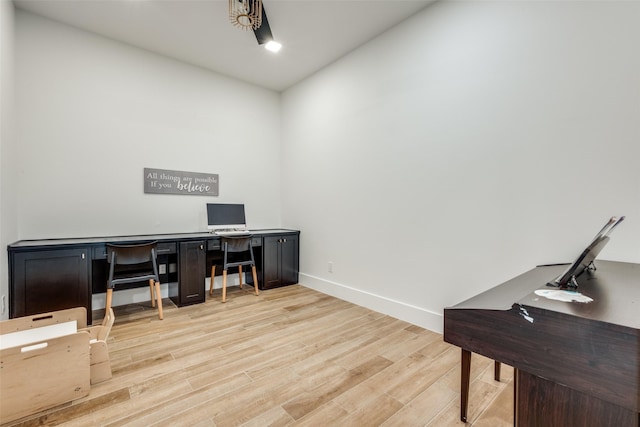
83, 255
201, 247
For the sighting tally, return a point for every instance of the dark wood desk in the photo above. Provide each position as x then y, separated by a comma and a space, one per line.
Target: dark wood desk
576, 364
55, 274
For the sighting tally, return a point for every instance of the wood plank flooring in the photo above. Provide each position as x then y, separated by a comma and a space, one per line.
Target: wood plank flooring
289, 357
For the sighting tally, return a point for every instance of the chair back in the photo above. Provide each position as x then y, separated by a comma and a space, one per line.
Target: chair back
131, 254
236, 243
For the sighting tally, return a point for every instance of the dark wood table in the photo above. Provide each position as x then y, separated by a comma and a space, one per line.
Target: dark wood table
576, 364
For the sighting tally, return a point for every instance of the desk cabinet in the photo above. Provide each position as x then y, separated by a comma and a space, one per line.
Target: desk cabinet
49, 275
191, 272
49, 280
280, 259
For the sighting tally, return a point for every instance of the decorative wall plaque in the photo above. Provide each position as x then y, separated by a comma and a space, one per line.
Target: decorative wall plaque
163, 181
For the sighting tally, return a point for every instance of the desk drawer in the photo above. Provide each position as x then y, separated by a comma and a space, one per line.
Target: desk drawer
100, 252
164, 248
214, 245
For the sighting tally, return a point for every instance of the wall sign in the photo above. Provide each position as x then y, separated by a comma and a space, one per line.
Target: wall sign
163, 181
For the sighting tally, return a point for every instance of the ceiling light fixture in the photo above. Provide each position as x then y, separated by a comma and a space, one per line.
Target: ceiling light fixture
273, 46
246, 14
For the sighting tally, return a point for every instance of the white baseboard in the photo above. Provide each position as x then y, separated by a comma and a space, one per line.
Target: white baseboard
400, 310
409, 313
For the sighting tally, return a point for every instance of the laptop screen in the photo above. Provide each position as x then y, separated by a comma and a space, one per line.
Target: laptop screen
222, 216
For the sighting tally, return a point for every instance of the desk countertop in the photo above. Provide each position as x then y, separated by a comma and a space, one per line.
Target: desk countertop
614, 288
129, 238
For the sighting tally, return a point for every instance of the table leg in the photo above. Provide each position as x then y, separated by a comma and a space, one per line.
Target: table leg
465, 374
515, 397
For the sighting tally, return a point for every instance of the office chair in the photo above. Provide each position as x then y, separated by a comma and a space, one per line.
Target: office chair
137, 263
233, 247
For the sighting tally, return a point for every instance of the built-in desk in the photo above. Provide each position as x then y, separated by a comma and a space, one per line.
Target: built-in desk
576, 364
55, 274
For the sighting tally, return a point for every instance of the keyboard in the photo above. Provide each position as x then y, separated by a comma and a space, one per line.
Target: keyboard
232, 233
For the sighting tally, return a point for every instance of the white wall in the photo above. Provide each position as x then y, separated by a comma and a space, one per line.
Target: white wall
503, 133
463, 147
8, 218
92, 113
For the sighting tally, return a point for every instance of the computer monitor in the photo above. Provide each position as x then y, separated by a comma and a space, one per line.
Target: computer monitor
586, 257
225, 216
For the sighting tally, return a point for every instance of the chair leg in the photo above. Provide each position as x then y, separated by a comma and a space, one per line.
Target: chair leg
153, 297
213, 275
496, 371
240, 275
255, 279
109, 297
159, 296
224, 285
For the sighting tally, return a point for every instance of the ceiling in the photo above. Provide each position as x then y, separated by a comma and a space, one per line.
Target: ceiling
314, 33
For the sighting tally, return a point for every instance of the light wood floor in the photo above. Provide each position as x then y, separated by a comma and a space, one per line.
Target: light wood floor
290, 357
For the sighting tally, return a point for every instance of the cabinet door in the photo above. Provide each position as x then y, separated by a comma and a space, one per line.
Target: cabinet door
191, 272
50, 280
280, 257
289, 260
270, 262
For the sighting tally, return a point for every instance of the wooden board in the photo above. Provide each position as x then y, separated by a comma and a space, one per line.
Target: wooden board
43, 374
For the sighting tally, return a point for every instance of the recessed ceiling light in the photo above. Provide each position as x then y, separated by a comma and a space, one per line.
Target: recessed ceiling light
273, 46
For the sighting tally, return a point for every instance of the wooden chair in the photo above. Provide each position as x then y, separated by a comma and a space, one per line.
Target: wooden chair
134, 263
238, 252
